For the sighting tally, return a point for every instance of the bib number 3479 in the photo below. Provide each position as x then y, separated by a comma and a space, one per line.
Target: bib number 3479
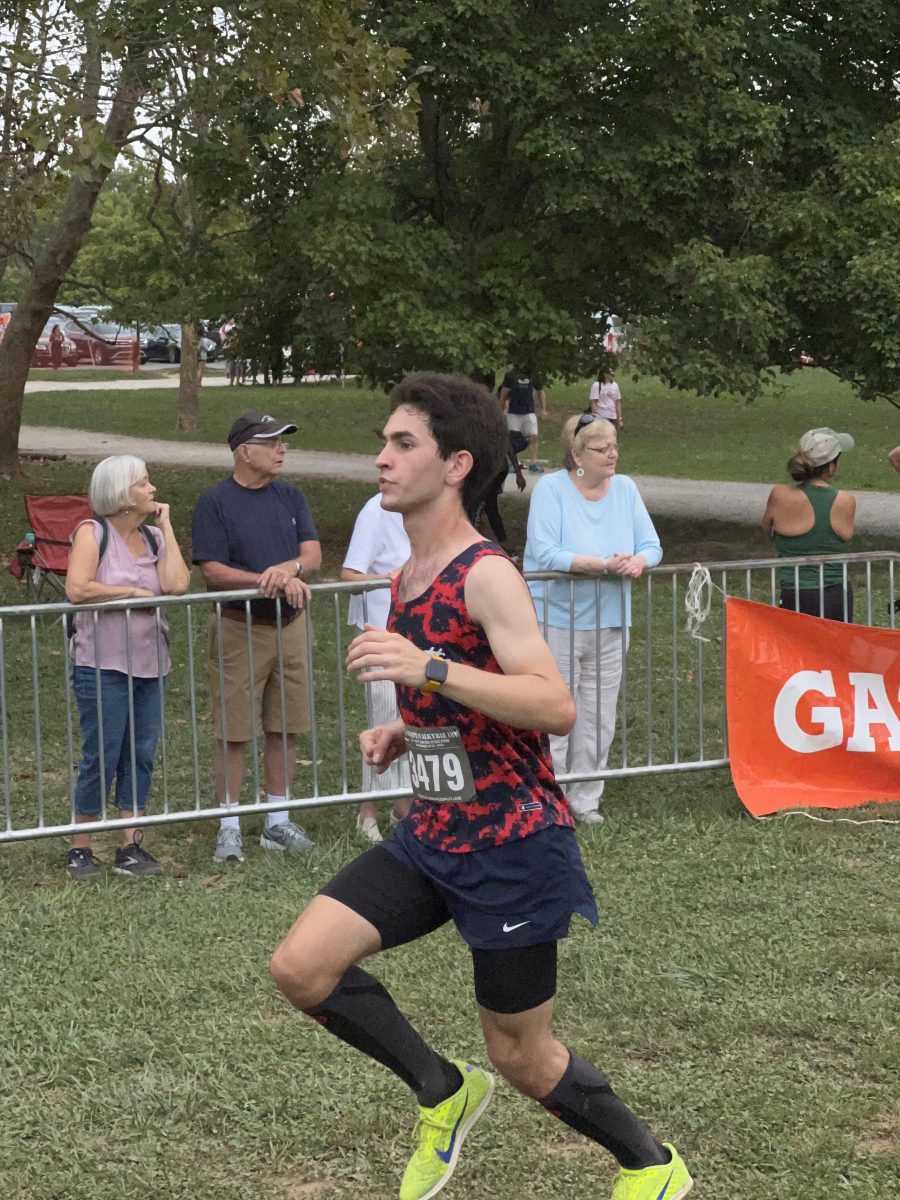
439, 766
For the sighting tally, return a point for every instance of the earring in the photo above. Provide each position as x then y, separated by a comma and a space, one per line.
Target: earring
580, 472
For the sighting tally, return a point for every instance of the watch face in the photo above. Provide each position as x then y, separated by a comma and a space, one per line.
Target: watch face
436, 670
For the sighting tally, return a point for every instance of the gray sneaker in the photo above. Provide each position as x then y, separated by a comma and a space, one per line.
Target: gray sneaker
229, 846
81, 865
285, 837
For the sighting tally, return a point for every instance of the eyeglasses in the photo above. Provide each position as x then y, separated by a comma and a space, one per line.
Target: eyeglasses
584, 420
271, 443
607, 450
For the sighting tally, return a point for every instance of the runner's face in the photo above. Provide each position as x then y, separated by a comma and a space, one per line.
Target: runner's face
410, 473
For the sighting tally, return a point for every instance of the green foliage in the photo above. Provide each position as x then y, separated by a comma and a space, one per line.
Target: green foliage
724, 180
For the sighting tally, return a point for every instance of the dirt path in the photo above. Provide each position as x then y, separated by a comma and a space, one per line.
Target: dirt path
877, 512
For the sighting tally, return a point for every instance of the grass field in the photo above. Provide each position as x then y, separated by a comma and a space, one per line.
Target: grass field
95, 374
666, 432
740, 991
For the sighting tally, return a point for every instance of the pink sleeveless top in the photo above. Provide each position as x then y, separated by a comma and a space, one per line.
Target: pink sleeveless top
148, 645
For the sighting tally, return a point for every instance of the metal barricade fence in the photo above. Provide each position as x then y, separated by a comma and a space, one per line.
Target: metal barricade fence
670, 715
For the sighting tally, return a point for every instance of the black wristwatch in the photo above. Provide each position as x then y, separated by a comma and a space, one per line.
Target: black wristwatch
435, 674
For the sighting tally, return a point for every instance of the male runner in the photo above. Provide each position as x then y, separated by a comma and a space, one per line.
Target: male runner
489, 841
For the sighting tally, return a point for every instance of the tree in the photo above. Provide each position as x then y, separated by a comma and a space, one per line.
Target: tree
724, 179
138, 72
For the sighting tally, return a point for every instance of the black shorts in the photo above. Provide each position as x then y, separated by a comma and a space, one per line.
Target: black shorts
510, 903
831, 602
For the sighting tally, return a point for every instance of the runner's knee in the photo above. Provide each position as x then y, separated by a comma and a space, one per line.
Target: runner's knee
300, 978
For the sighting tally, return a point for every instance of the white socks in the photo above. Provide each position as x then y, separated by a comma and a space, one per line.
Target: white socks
276, 818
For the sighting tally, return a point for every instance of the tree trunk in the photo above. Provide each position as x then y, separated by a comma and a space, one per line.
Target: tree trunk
54, 261
188, 380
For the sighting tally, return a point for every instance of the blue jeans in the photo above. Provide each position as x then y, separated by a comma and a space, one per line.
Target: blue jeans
131, 790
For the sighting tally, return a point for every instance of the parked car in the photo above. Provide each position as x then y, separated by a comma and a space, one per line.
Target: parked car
162, 343
100, 343
42, 357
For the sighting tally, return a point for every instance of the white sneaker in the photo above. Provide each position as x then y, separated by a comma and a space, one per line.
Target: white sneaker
367, 827
229, 846
589, 818
286, 836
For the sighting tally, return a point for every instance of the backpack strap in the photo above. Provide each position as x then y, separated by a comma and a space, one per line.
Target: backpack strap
104, 536
151, 541
152, 544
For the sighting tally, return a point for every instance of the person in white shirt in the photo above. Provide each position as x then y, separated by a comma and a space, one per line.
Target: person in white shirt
606, 400
378, 549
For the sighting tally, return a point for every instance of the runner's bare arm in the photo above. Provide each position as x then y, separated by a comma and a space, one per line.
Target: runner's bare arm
530, 694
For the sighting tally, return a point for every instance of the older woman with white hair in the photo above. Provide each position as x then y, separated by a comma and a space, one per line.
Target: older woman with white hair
121, 658
588, 521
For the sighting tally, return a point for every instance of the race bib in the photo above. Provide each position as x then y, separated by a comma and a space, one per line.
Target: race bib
439, 767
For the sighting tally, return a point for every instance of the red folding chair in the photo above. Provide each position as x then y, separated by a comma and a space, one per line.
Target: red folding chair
42, 557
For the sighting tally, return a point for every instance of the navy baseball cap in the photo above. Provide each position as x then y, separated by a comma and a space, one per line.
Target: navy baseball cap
256, 425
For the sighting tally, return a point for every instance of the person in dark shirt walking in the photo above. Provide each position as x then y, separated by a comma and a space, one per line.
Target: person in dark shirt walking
489, 841
517, 393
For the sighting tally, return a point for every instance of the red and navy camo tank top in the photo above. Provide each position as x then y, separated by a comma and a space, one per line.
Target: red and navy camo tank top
491, 783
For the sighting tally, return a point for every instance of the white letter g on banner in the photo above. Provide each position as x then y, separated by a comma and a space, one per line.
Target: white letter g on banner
827, 717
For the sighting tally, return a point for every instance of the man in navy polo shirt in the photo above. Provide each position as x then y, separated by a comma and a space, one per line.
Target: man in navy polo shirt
253, 530
517, 393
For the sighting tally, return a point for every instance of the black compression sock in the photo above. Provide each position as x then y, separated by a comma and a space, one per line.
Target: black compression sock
361, 1012
586, 1102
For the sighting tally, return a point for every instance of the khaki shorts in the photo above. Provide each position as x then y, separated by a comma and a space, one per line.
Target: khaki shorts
265, 697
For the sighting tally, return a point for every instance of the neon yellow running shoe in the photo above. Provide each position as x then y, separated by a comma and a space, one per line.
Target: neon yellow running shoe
670, 1181
442, 1131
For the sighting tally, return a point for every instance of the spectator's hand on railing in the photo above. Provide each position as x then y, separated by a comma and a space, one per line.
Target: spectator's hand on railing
276, 579
627, 566
297, 593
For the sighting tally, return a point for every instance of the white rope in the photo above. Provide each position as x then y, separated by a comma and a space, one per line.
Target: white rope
798, 812
697, 600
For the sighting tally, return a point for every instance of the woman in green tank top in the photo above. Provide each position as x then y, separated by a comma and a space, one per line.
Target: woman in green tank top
812, 518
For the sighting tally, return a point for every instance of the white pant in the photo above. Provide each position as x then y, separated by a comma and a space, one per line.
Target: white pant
381, 707
580, 751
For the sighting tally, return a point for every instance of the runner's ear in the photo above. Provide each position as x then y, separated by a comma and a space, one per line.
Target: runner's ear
459, 464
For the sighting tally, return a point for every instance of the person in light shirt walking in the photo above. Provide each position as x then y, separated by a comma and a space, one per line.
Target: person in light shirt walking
378, 549
606, 400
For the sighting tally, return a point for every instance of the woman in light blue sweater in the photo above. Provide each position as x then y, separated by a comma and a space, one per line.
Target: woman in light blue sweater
591, 522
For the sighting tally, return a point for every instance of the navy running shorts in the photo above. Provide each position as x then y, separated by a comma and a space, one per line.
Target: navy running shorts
522, 893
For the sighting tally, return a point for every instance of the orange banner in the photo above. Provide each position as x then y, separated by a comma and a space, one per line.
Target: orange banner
813, 710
